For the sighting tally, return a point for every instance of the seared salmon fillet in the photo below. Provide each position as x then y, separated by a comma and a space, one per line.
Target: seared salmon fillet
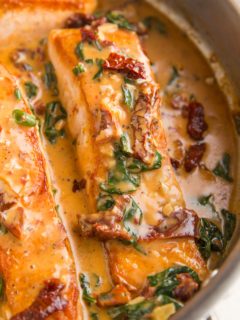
38, 17
36, 264
113, 104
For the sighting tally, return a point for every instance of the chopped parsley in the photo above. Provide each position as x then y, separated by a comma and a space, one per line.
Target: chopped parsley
23, 118
78, 69
99, 73
31, 89
18, 94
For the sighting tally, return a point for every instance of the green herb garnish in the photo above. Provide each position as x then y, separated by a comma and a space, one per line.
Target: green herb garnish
125, 177
54, 117
207, 201
105, 202
125, 143
78, 69
128, 96
133, 212
98, 280
89, 61
136, 166
79, 51
97, 45
222, 168
230, 221
211, 238
154, 22
120, 21
18, 94
94, 316
174, 75
23, 118
99, 73
31, 89
142, 309
50, 78
86, 293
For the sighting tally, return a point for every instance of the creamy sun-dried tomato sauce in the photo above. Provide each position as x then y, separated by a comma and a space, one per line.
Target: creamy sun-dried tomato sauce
187, 85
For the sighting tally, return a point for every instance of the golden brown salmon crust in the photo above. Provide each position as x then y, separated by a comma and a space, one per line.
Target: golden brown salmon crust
34, 250
84, 6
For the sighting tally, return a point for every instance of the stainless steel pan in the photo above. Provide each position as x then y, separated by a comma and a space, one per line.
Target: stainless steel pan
217, 24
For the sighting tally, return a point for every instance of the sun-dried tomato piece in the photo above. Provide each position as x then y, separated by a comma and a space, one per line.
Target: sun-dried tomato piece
79, 20
180, 223
186, 288
196, 121
47, 302
117, 296
132, 68
88, 35
193, 156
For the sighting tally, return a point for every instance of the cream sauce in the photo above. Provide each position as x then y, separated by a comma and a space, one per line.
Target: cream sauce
167, 50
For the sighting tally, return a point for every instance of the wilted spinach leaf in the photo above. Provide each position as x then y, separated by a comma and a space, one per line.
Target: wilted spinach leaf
166, 281
55, 113
211, 238
154, 22
120, 20
50, 78
230, 221
105, 202
86, 292
222, 168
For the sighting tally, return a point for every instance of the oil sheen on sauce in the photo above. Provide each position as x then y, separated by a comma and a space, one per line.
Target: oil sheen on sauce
173, 49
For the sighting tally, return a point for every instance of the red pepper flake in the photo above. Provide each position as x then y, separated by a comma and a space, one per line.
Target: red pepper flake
78, 185
196, 122
132, 68
193, 156
47, 302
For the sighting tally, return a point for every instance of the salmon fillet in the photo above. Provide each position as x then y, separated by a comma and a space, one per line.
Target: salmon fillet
36, 262
38, 17
113, 105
